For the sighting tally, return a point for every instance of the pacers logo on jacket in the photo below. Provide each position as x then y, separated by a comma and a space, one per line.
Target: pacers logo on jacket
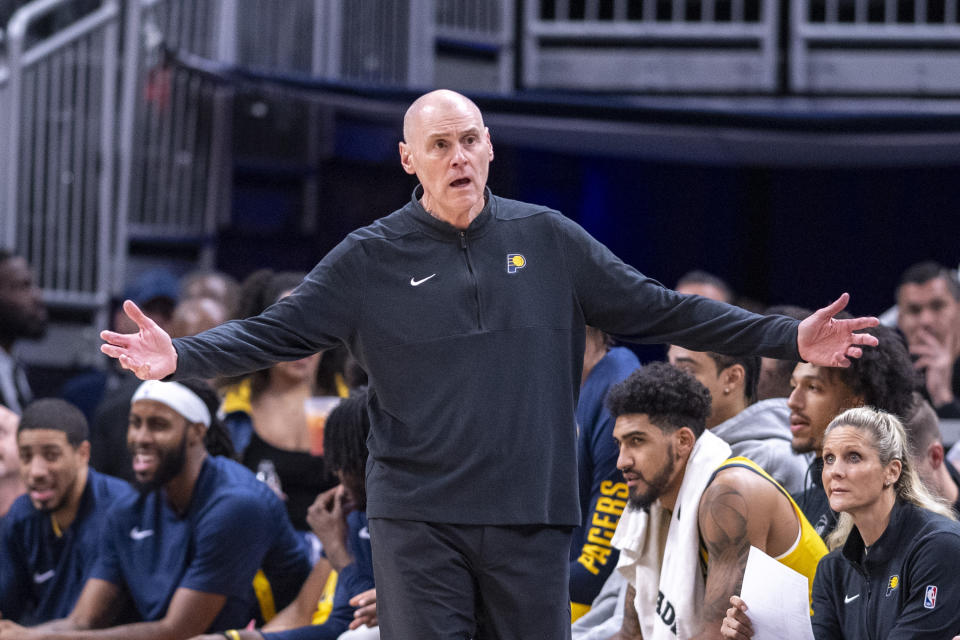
892, 584
515, 261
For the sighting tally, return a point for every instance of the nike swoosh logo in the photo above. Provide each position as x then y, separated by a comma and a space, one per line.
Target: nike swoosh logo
364, 534
849, 599
40, 578
137, 534
417, 283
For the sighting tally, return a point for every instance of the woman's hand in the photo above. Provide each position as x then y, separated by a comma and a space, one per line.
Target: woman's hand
736, 624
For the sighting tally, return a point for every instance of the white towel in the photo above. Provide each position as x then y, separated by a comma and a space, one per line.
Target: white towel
670, 599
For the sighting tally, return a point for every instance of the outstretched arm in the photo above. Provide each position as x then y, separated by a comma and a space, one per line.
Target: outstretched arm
827, 342
149, 353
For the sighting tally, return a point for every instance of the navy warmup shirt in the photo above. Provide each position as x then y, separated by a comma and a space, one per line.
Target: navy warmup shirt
42, 573
603, 492
355, 578
234, 526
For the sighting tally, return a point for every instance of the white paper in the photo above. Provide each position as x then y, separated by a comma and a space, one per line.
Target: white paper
778, 600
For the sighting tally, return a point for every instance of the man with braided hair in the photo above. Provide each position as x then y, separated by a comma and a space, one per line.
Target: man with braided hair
323, 610
186, 548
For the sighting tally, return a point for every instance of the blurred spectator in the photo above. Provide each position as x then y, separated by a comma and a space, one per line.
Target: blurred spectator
22, 316
927, 454
928, 314
193, 315
157, 290
339, 373
756, 430
322, 609
52, 535
187, 547
11, 486
883, 378
272, 431
603, 492
208, 283
774, 381
705, 284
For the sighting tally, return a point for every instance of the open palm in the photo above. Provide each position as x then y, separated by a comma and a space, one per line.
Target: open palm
149, 353
827, 342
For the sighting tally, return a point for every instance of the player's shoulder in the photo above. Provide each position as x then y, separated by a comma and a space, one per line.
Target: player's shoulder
739, 476
110, 488
739, 482
229, 488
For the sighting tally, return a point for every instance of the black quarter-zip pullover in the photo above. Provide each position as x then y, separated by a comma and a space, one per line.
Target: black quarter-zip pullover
473, 341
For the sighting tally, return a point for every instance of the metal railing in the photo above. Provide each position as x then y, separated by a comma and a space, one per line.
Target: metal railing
483, 28
666, 45
377, 42
173, 134
93, 152
59, 117
875, 46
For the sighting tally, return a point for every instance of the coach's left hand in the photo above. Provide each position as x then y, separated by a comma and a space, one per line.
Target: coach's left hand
827, 342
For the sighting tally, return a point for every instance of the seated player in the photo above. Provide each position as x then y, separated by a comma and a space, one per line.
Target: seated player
187, 547
52, 534
693, 512
323, 608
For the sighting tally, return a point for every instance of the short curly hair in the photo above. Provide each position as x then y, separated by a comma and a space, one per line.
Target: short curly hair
884, 375
669, 397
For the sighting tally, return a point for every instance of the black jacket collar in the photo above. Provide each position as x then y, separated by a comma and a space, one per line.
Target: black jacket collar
444, 230
887, 545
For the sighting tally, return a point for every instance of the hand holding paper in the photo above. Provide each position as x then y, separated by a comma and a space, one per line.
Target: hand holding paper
779, 603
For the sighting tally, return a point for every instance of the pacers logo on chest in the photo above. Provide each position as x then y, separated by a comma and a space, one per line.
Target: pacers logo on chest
515, 262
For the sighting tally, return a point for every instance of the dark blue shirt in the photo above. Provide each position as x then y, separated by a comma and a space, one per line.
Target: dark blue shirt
603, 493
42, 574
234, 526
355, 578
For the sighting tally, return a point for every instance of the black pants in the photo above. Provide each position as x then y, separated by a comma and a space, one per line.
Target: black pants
457, 582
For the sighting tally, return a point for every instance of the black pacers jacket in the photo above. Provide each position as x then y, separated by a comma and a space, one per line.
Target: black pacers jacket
907, 588
473, 342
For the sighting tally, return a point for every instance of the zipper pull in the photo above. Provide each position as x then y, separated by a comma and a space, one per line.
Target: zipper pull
463, 239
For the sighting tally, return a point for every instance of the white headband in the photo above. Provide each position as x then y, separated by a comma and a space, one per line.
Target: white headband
177, 397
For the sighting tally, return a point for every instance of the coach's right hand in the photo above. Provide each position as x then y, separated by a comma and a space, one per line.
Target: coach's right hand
149, 353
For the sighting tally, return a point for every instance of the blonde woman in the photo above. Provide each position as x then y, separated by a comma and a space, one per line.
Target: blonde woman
891, 572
